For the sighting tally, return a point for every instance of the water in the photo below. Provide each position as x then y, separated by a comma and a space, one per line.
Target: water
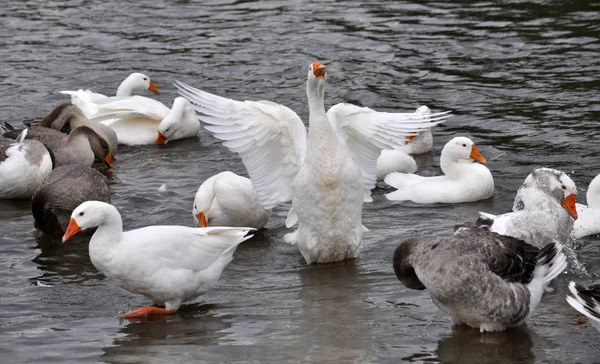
521, 78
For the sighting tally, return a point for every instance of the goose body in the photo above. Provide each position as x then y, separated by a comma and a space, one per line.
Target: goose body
327, 173
64, 189
543, 210
227, 199
86, 100
480, 278
588, 221
140, 120
24, 164
168, 264
464, 181
67, 117
82, 146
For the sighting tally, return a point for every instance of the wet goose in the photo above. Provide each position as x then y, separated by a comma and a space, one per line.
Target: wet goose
327, 173
588, 221
463, 180
543, 210
23, 166
140, 120
64, 189
482, 279
586, 301
81, 146
67, 117
168, 264
86, 100
227, 199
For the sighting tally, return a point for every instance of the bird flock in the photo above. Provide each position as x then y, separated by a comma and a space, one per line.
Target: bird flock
490, 273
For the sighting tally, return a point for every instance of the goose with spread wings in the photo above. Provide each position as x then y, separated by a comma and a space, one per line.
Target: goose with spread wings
327, 173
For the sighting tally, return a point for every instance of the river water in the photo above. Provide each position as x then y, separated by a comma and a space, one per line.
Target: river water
521, 78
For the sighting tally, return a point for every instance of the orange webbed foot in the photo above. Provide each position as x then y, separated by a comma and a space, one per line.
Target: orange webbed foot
146, 311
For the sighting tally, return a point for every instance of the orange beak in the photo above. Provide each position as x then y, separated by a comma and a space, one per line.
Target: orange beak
569, 204
319, 69
72, 229
153, 88
475, 155
161, 139
201, 219
410, 137
108, 159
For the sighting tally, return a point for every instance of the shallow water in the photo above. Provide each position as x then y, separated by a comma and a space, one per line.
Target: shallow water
521, 78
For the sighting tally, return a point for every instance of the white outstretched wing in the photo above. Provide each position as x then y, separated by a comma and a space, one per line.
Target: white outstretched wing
110, 109
365, 132
270, 138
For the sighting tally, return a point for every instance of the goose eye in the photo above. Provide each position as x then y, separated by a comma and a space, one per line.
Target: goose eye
195, 207
564, 187
81, 213
145, 79
464, 145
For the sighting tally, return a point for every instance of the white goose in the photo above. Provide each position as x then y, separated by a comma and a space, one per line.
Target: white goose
23, 166
141, 120
227, 199
327, 174
86, 100
168, 264
588, 222
422, 142
464, 181
543, 209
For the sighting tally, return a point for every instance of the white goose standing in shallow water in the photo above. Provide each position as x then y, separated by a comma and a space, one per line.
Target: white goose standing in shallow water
168, 264
464, 181
588, 222
326, 174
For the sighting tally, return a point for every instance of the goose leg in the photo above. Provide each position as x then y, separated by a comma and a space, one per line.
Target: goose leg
147, 310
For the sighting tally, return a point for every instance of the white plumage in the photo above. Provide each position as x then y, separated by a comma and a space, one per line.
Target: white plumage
588, 222
168, 264
324, 173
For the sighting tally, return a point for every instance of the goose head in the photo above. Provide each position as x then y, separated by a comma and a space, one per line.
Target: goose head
546, 186
170, 124
98, 144
89, 214
461, 150
317, 75
136, 82
61, 117
203, 201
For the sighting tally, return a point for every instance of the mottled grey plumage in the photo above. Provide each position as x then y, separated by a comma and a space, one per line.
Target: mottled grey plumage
538, 216
586, 301
62, 191
81, 146
480, 278
67, 117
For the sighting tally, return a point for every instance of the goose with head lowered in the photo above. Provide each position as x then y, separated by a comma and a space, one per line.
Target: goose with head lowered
24, 164
82, 146
67, 117
227, 199
86, 100
140, 120
543, 209
327, 173
482, 279
168, 264
463, 180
